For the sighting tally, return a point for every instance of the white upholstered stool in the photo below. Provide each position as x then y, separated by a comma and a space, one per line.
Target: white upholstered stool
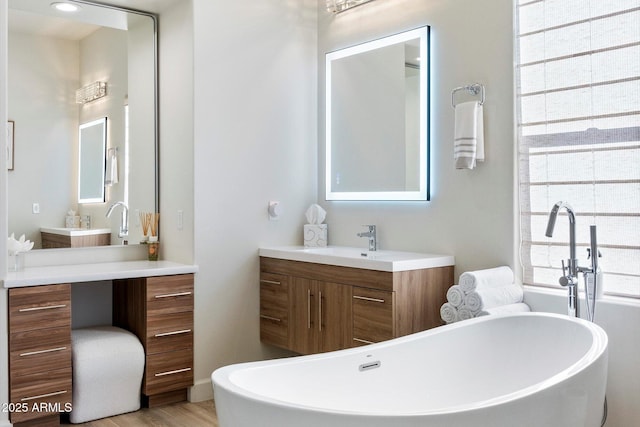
108, 365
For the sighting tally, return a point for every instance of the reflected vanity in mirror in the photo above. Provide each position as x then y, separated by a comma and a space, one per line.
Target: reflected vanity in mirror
51, 56
377, 119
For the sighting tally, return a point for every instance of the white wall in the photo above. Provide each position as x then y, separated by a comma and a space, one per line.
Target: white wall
470, 214
4, 187
44, 77
254, 141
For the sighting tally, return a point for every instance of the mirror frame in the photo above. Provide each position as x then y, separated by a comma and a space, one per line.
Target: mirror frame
423, 192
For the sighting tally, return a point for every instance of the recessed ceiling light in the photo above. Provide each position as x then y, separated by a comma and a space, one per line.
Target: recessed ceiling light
65, 6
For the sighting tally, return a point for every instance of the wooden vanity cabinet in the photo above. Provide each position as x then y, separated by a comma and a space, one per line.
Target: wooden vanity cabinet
319, 312
39, 354
159, 310
332, 307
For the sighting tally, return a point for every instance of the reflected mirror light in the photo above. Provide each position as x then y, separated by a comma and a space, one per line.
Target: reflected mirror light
377, 119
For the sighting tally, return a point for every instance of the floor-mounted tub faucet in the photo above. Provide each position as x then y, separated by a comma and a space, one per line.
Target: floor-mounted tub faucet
371, 235
570, 272
124, 220
569, 277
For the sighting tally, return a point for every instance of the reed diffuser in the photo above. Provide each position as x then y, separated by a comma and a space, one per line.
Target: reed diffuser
153, 245
145, 222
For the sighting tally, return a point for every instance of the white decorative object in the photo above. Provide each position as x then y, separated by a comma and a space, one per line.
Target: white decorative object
315, 235
72, 220
16, 249
315, 232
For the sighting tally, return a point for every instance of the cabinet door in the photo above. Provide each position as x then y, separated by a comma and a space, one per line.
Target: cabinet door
372, 316
274, 309
334, 316
303, 326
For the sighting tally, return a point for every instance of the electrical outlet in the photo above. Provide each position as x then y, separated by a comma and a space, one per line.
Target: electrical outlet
35, 208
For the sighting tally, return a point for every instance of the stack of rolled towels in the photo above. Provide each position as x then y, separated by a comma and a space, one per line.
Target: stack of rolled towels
483, 292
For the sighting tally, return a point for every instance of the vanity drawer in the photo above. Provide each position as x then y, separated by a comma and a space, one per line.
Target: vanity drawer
168, 371
274, 309
49, 389
372, 315
40, 350
169, 294
169, 332
38, 307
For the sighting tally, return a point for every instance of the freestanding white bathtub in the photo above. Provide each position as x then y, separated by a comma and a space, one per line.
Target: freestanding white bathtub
525, 369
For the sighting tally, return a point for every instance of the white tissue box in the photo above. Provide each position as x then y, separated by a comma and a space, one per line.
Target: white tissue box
315, 235
72, 221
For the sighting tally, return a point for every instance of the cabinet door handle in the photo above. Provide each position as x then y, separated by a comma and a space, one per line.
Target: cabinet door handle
177, 294
320, 311
308, 308
274, 319
271, 282
49, 350
41, 396
177, 371
166, 334
369, 299
363, 341
47, 307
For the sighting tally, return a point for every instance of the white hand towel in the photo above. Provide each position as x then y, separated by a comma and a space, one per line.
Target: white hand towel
448, 313
482, 299
455, 295
464, 313
468, 134
489, 278
520, 307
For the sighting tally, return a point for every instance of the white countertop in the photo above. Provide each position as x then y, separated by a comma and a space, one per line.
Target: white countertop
75, 231
32, 276
359, 258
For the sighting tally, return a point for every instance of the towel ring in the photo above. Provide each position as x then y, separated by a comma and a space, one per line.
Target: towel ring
474, 89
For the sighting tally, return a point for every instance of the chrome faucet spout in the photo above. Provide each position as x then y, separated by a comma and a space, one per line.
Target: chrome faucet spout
371, 235
124, 219
569, 277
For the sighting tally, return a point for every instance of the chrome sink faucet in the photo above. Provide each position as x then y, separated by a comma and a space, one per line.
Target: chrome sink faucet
570, 272
371, 235
124, 219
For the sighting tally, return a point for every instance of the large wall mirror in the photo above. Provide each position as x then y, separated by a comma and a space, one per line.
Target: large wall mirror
52, 54
377, 119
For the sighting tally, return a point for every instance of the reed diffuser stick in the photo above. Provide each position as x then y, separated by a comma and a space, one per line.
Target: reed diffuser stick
154, 223
145, 221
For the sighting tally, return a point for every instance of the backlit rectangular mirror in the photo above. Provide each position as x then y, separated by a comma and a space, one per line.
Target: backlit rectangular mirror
377, 119
92, 158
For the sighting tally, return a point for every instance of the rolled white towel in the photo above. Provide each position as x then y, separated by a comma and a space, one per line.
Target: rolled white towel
455, 295
465, 313
482, 299
448, 313
488, 278
519, 307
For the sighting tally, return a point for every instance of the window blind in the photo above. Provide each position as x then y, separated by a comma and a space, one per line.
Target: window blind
578, 113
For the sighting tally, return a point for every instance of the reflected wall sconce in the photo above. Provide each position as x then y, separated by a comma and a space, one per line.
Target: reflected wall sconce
337, 6
91, 92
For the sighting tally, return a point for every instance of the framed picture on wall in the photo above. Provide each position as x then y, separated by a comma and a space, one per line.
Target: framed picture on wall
10, 142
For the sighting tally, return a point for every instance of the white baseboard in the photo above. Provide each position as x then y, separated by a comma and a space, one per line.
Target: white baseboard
201, 390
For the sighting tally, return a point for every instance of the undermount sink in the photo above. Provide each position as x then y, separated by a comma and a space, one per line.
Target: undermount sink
62, 231
343, 256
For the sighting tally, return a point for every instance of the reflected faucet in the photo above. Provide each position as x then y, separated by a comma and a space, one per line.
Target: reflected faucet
371, 235
569, 277
124, 219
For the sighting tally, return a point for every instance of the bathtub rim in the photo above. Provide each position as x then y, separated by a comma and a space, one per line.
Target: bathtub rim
596, 351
